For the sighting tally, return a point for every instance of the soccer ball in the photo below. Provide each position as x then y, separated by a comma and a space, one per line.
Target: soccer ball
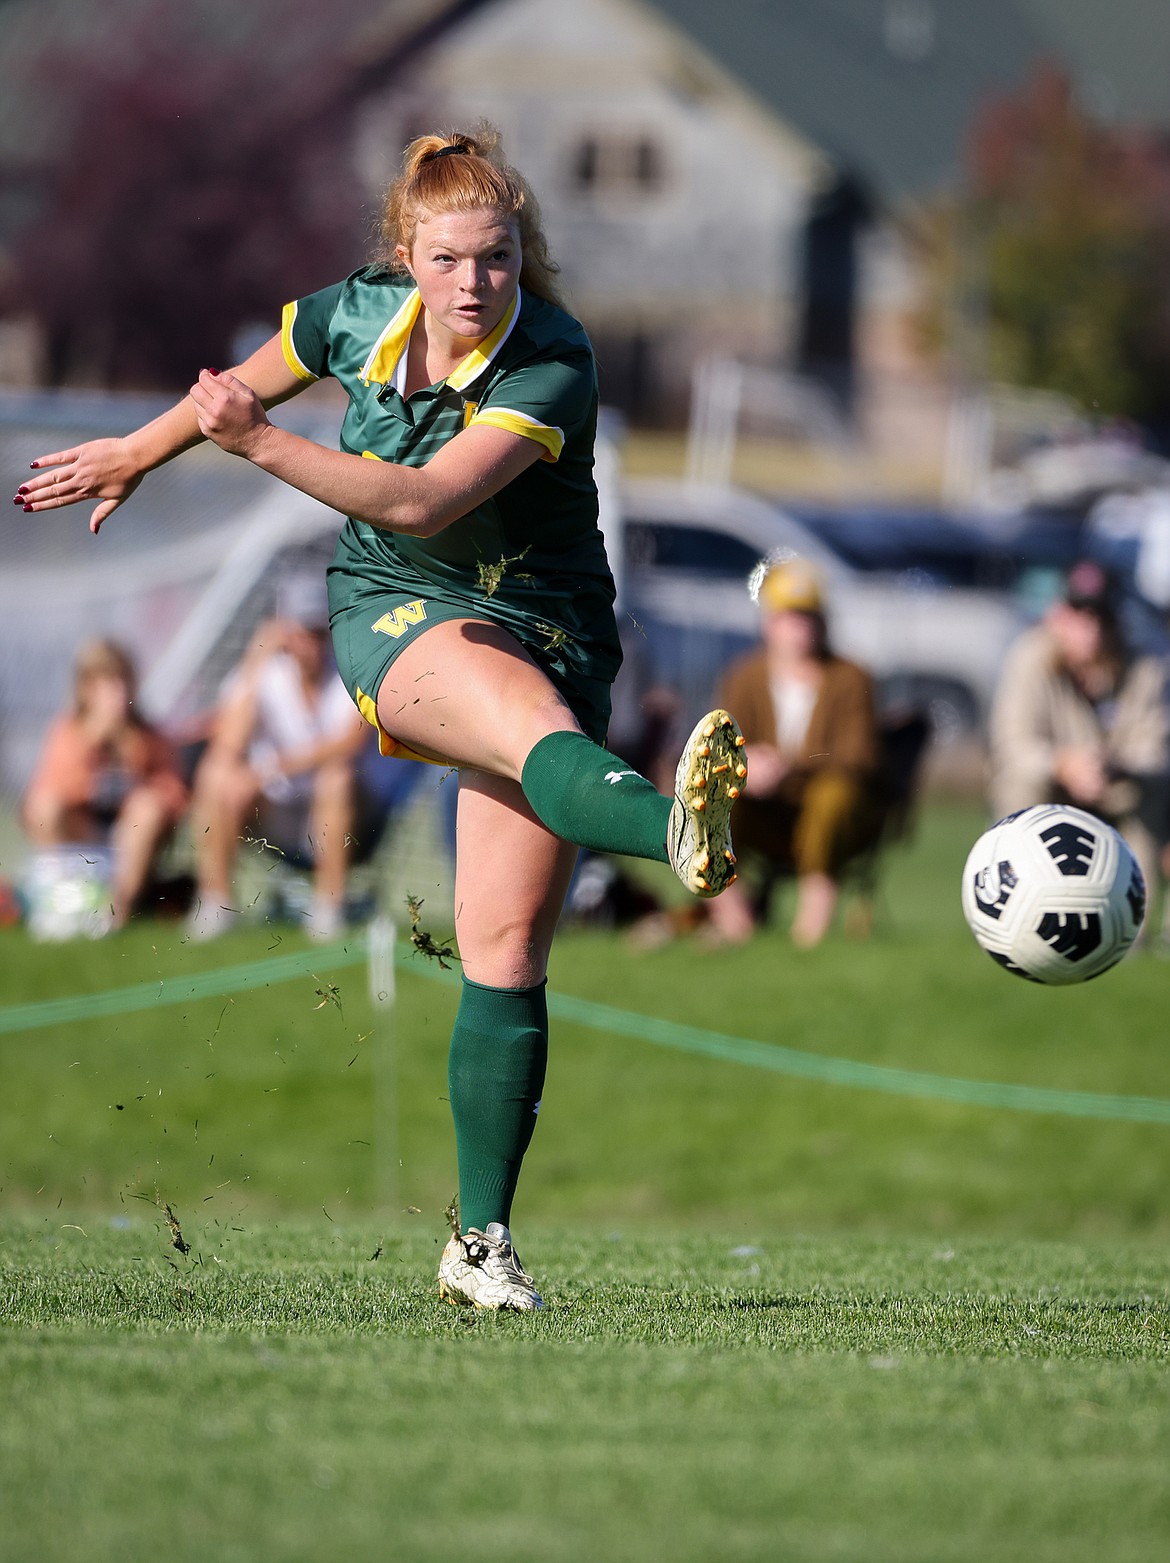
1053, 894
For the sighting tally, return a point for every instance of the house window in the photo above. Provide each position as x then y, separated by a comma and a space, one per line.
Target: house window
909, 27
617, 164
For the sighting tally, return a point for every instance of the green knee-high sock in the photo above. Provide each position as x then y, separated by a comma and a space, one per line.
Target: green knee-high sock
587, 795
499, 1049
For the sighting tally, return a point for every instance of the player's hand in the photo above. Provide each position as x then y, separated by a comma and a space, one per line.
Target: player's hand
270, 637
767, 768
99, 469
229, 412
1081, 772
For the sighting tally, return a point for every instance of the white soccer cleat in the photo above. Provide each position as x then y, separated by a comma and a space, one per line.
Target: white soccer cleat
324, 921
710, 776
208, 920
481, 1269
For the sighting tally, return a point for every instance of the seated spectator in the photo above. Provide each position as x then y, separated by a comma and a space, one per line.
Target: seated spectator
106, 779
811, 802
1076, 719
281, 764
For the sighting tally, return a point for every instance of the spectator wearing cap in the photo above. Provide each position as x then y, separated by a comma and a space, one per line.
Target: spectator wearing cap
281, 764
813, 758
1077, 719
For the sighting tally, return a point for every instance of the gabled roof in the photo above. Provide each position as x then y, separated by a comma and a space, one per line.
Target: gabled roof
1119, 51
889, 88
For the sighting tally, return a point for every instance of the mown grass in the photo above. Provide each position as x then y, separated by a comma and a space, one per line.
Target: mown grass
786, 1319
306, 1097
287, 1395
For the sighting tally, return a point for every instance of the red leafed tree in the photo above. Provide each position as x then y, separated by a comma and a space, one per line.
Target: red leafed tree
1067, 225
203, 177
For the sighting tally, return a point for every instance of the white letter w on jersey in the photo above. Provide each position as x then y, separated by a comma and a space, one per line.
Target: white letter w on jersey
613, 777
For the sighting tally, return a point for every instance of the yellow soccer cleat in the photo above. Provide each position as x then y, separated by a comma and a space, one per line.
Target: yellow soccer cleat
710, 777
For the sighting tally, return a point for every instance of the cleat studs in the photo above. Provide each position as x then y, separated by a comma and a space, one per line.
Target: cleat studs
703, 885
698, 781
717, 770
705, 751
733, 792
709, 731
729, 855
741, 771
740, 741
700, 805
733, 878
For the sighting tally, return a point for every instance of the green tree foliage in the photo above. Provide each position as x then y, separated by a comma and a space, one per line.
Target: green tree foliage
1058, 251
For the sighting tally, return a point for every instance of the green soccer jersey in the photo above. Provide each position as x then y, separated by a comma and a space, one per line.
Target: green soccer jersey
530, 558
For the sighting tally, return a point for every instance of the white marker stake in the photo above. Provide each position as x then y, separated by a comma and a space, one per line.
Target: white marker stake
381, 936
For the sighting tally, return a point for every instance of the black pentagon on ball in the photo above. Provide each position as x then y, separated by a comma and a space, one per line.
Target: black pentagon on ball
1136, 896
1071, 847
1073, 935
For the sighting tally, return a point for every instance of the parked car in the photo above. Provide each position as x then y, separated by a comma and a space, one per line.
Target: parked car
683, 555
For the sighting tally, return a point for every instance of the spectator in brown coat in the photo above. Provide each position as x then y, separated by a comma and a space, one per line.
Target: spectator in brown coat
813, 758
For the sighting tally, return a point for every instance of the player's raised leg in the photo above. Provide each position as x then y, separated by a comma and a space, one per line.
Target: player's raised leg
468, 692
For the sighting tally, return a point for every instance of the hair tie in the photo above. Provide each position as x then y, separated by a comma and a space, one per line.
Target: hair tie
458, 146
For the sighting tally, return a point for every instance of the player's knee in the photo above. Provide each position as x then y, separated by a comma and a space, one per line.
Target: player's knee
512, 949
546, 713
145, 809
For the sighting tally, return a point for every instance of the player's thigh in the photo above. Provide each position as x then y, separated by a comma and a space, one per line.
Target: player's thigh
511, 877
468, 692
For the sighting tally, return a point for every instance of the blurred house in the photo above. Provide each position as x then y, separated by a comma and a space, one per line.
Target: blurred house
739, 178
730, 178
743, 179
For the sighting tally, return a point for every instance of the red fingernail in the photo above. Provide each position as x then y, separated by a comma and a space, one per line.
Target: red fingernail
213, 371
23, 489
27, 507
34, 465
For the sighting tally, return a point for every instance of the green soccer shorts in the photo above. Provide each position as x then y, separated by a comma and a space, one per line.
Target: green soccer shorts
372, 626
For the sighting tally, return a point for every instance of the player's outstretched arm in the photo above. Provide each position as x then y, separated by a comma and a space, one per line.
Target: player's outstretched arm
419, 501
109, 470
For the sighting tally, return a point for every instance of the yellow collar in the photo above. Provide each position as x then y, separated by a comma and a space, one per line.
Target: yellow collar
391, 344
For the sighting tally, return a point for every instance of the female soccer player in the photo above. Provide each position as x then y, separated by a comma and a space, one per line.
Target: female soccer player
471, 607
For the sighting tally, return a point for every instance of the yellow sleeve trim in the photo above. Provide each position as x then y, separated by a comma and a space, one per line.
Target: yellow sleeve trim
291, 357
551, 438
